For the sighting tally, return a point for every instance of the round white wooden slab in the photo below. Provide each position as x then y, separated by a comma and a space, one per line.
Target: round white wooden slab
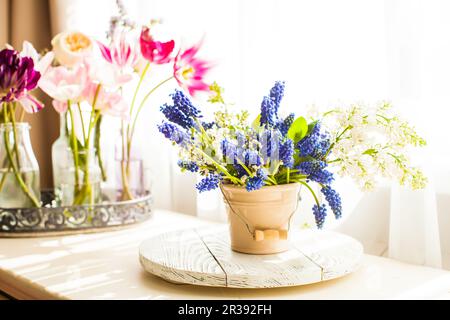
203, 257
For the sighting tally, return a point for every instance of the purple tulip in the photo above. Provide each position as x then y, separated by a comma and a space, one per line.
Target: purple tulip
17, 78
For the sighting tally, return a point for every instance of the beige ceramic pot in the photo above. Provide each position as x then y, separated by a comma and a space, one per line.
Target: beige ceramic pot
259, 220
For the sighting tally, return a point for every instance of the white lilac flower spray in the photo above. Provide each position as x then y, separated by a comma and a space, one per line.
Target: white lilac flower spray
369, 142
274, 151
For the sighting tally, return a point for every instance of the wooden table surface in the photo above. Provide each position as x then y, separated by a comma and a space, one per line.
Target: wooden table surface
106, 266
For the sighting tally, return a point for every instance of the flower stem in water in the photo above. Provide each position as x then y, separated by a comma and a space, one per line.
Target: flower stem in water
17, 174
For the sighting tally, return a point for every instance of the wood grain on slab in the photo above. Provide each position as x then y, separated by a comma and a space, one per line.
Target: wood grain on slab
203, 257
181, 256
259, 271
335, 253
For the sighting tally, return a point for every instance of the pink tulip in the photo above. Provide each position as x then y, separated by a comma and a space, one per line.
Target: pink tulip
189, 70
123, 51
109, 75
155, 51
107, 102
59, 106
63, 84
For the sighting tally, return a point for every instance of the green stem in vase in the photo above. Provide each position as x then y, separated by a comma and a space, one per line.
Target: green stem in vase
94, 115
132, 126
124, 167
82, 120
4, 120
16, 145
15, 169
2, 181
13, 121
97, 147
74, 144
86, 191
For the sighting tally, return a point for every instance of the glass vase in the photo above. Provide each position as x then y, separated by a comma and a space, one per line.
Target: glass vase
80, 183
60, 157
76, 171
19, 170
129, 171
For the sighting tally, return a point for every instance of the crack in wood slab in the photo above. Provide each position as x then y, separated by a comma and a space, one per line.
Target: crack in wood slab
318, 265
218, 262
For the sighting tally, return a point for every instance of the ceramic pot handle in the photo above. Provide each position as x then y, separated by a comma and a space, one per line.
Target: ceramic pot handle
270, 234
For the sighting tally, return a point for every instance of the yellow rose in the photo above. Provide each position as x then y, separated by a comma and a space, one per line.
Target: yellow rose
70, 48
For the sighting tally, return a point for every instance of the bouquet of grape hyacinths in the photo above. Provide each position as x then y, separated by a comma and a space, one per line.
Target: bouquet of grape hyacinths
274, 150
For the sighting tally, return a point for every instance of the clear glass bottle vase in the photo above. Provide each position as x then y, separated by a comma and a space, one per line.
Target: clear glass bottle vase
19, 169
60, 157
81, 181
76, 172
129, 171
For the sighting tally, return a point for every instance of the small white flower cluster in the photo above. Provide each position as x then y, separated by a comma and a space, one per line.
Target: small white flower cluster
368, 142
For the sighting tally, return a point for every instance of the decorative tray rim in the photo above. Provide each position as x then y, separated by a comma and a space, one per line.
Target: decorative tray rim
61, 220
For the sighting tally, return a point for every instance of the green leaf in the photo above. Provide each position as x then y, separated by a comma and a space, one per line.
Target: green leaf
257, 122
311, 126
370, 151
298, 129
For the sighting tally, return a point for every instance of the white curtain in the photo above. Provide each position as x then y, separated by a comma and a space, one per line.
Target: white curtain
329, 52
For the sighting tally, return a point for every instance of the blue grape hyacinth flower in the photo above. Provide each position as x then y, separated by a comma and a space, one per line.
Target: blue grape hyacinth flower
208, 183
309, 167
285, 124
208, 125
287, 153
242, 140
270, 140
268, 113
334, 201
324, 177
256, 182
182, 112
320, 213
308, 145
188, 165
277, 94
230, 151
271, 104
323, 146
315, 169
174, 133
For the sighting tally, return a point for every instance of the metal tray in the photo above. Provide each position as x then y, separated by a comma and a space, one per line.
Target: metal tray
52, 220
